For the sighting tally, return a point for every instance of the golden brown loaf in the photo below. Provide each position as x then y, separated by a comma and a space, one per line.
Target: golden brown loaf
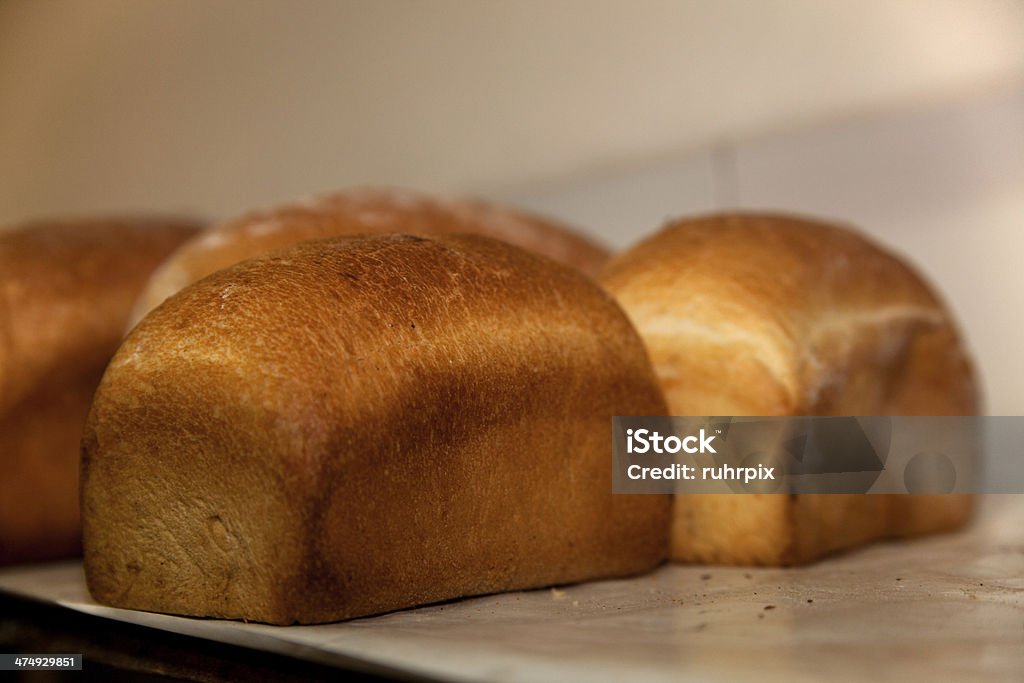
749, 314
363, 211
66, 289
357, 425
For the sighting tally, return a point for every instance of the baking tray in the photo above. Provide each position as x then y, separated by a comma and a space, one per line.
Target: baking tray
946, 608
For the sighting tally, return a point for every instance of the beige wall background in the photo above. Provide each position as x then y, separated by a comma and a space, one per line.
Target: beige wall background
219, 105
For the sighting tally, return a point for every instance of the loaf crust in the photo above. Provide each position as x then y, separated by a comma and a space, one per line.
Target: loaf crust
363, 211
760, 314
66, 289
357, 425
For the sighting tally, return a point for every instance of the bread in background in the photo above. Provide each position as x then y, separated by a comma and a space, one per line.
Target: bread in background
66, 290
761, 314
363, 211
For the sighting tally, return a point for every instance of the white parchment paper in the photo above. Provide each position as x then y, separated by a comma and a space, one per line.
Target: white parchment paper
943, 608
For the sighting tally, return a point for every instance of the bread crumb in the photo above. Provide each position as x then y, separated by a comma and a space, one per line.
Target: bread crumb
557, 594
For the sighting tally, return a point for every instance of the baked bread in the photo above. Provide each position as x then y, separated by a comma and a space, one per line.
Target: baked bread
363, 211
357, 425
66, 289
757, 314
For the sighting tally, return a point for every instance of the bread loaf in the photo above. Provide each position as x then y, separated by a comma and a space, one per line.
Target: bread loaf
363, 211
357, 425
749, 314
66, 289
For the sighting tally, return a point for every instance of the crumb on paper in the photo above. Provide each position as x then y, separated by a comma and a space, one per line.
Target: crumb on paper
705, 577
768, 607
557, 594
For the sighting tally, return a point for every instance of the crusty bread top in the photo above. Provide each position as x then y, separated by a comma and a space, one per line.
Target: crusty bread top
66, 289
362, 211
778, 314
276, 296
